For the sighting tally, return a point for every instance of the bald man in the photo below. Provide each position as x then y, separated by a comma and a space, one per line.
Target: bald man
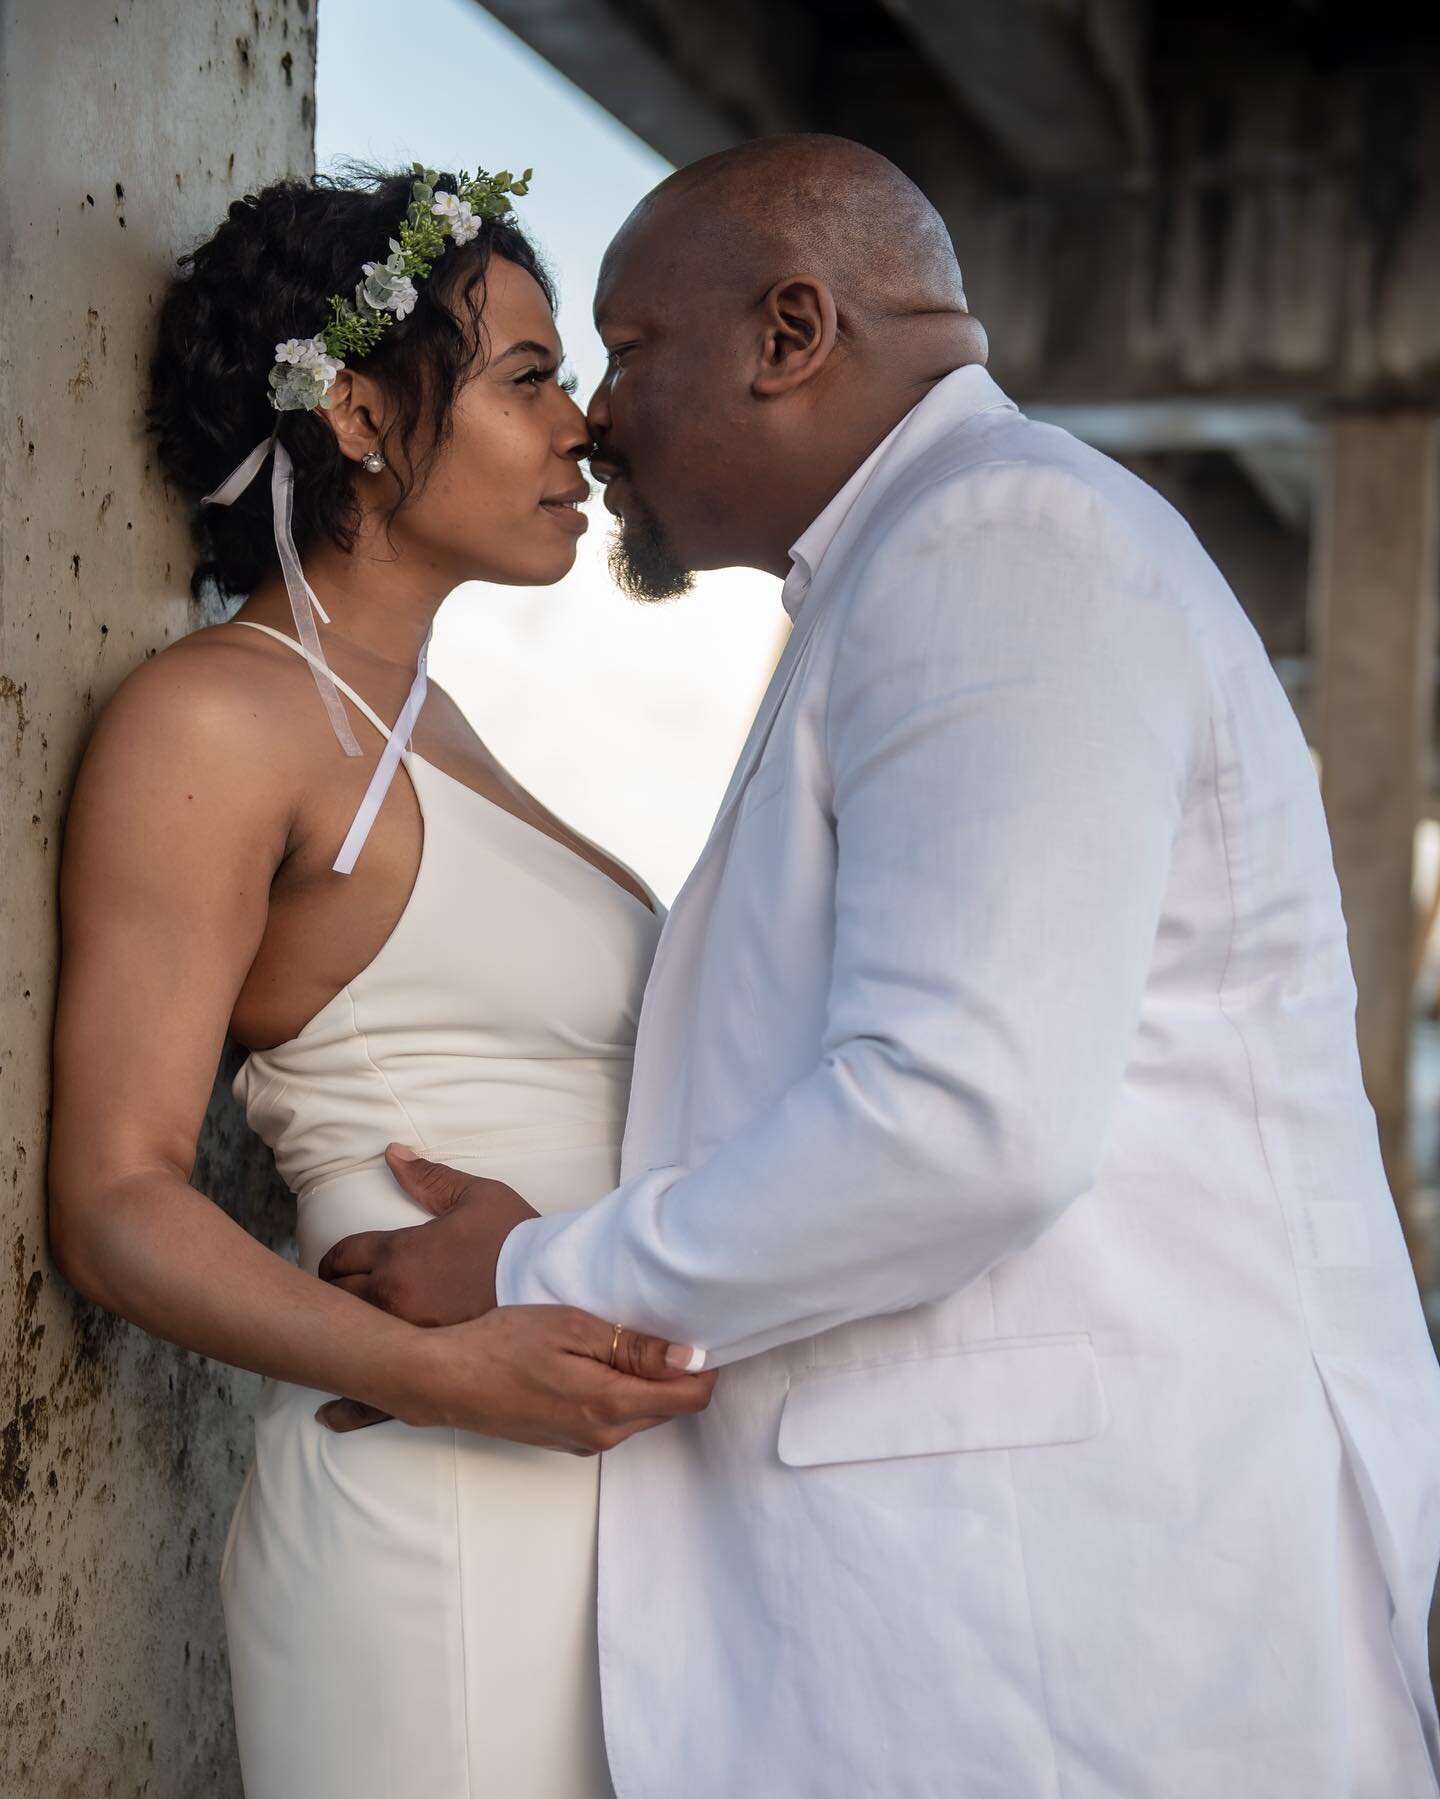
997, 1122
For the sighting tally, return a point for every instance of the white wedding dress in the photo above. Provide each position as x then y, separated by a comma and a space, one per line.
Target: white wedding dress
411, 1613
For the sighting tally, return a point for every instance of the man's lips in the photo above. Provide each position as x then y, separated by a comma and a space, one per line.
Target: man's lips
611, 480
610, 475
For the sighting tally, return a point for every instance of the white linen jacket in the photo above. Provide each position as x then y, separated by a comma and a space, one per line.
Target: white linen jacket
997, 1116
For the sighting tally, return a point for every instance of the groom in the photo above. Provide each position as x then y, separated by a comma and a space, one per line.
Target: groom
997, 1120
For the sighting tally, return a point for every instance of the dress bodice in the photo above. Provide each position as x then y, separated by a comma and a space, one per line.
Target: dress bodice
499, 1015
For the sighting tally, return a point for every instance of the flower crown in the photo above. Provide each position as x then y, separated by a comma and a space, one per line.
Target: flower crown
306, 367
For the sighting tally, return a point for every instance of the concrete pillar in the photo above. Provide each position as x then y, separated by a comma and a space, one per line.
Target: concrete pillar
125, 128
1376, 576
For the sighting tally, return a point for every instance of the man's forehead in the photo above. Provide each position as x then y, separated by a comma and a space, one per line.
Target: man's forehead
621, 289
640, 267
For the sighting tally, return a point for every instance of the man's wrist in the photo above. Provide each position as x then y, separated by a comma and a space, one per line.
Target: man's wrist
509, 1263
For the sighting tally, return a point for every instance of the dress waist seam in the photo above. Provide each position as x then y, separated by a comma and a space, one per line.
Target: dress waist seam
534, 1140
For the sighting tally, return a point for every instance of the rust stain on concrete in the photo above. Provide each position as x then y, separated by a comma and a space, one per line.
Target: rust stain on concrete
15, 695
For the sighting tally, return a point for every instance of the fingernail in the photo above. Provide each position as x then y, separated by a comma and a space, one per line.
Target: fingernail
401, 1152
683, 1359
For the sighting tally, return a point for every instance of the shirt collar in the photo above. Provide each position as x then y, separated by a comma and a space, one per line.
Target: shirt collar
961, 394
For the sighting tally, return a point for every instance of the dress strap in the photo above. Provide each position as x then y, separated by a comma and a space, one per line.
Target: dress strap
395, 748
396, 744
300, 650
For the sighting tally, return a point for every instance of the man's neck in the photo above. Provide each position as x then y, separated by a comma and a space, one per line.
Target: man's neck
844, 444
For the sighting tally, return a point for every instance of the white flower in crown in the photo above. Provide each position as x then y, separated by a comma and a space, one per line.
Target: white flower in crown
466, 227
303, 374
387, 288
303, 352
459, 215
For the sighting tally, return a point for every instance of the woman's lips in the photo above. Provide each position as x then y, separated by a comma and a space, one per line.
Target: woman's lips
567, 514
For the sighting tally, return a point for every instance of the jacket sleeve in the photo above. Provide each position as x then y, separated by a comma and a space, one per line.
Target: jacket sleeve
1010, 728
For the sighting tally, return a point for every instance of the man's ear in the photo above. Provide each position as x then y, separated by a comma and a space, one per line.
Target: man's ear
800, 329
355, 414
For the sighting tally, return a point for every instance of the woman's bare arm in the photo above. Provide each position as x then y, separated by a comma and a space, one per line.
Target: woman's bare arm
179, 819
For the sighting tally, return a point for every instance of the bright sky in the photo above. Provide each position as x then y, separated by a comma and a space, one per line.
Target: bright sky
625, 719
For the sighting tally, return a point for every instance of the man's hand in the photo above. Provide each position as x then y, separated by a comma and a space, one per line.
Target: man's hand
442, 1272
542, 1375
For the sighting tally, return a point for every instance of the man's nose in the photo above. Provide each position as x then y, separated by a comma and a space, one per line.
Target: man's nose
597, 413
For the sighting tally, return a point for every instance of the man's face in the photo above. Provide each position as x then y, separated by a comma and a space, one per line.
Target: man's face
672, 393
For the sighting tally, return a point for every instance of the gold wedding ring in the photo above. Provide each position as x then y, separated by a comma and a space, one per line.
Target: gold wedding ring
615, 1343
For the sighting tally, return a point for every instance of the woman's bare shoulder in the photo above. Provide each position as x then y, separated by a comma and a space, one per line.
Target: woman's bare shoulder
215, 702
221, 680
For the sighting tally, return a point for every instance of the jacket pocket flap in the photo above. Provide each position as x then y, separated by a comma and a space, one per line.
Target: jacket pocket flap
1014, 1394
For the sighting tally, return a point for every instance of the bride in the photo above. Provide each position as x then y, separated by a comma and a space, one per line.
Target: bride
433, 958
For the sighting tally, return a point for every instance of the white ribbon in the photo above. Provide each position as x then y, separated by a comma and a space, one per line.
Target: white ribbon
235, 483
303, 607
395, 747
303, 602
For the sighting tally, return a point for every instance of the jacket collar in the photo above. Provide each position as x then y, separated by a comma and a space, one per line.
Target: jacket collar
958, 396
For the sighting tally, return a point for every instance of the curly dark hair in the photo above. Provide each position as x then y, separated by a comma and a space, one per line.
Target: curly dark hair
267, 274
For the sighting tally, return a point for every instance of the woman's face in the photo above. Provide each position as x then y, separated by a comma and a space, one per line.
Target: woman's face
500, 501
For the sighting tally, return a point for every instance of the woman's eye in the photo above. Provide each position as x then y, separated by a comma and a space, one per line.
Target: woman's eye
537, 377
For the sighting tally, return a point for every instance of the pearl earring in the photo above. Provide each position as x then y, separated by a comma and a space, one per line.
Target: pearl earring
373, 461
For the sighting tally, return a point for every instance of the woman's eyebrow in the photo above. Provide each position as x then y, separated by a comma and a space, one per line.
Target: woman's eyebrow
530, 348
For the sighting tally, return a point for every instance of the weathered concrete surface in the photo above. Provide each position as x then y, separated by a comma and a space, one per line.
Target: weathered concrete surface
125, 127
1376, 577
1150, 198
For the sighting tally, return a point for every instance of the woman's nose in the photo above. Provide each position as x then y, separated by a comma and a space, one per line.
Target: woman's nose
574, 435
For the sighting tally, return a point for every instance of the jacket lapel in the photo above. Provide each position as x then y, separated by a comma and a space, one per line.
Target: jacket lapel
666, 1015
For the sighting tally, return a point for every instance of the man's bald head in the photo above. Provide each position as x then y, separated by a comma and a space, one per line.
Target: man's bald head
770, 313
748, 217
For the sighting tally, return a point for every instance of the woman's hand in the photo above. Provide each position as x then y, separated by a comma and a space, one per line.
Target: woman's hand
540, 1375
